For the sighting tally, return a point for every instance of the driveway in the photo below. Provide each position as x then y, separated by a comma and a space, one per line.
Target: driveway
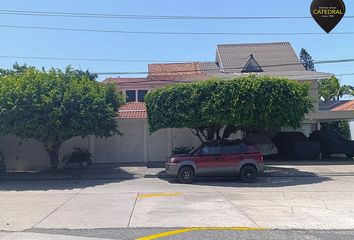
322, 197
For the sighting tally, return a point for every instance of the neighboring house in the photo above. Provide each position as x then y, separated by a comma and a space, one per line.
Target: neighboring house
233, 60
335, 105
347, 105
137, 145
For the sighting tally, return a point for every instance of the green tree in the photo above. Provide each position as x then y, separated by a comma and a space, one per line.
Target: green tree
55, 106
213, 109
330, 89
19, 69
91, 76
342, 127
16, 69
307, 60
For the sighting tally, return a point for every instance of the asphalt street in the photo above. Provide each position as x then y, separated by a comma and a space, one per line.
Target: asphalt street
155, 233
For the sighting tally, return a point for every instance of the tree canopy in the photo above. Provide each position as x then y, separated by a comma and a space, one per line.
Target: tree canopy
330, 89
307, 60
16, 69
54, 106
19, 69
250, 102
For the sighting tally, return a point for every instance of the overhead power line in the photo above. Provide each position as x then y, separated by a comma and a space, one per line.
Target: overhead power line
144, 17
228, 70
92, 59
145, 72
172, 33
151, 60
181, 71
334, 61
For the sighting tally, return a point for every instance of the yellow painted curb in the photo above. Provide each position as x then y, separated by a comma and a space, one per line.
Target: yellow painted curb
184, 230
149, 195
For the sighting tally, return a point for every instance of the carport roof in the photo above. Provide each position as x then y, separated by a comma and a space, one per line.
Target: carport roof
348, 106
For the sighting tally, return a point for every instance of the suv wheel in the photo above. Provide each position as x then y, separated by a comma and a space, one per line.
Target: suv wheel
186, 175
248, 174
349, 155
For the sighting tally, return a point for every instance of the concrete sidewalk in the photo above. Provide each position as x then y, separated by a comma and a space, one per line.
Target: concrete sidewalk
117, 171
41, 236
308, 202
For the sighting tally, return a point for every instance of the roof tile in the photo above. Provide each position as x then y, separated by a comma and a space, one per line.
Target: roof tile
348, 106
132, 110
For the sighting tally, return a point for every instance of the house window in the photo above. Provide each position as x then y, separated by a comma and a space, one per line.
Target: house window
141, 95
131, 95
251, 66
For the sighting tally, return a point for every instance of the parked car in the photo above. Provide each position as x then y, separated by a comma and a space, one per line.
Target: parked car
221, 158
296, 145
263, 143
333, 143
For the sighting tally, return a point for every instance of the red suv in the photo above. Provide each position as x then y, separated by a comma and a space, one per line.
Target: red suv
226, 158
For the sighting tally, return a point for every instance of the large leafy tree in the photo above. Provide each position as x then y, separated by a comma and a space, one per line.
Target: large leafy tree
54, 106
213, 109
307, 60
16, 69
330, 89
19, 69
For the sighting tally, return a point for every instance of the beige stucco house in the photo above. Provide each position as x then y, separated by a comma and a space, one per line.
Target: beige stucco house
136, 145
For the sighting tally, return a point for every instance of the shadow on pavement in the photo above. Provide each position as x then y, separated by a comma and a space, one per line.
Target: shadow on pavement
272, 177
319, 162
48, 185
66, 179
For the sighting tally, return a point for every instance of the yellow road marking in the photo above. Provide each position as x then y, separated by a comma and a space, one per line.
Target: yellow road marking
149, 195
184, 230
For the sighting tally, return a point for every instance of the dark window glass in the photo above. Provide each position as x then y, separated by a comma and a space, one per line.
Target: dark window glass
141, 95
131, 95
239, 148
210, 150
252, 66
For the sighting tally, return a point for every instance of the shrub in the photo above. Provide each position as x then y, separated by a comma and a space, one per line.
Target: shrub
79, 156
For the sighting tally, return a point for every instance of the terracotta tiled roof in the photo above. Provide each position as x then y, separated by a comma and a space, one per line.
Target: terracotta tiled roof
348, 106
275, 59
174, 68
176, 72
179, 77
132, 110
329, 105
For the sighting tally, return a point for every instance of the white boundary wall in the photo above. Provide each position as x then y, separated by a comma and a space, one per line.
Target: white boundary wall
134, 145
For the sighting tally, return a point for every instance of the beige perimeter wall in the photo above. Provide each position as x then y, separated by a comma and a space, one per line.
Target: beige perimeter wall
134, 145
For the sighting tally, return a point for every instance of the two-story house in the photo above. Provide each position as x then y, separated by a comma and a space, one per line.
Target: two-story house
137, 145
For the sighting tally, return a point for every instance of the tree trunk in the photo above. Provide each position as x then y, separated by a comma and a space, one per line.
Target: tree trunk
229, 129
53, 154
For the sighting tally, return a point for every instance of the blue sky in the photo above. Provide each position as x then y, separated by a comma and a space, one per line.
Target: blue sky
20, 42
